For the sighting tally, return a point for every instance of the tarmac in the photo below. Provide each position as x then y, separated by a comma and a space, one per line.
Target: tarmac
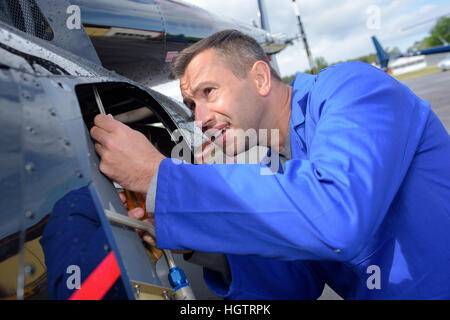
435, 88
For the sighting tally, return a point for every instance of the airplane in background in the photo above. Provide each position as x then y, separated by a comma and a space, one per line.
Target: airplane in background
384, 57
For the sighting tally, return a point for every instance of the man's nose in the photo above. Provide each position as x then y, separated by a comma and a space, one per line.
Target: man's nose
203, 116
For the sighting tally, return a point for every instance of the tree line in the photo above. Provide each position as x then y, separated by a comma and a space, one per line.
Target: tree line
438, 35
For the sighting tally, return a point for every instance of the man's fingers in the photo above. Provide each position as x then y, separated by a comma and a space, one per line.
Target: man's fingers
99, 134
99, 149
106, 122
136, 213
147, 238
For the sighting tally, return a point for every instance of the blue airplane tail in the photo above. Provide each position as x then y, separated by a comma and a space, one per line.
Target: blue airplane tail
383, 56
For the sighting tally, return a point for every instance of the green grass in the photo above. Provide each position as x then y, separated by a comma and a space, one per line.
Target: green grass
419, 73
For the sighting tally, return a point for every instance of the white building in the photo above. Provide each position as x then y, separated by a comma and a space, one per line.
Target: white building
407, 64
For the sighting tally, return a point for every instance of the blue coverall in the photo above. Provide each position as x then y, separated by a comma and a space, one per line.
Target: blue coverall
365, 197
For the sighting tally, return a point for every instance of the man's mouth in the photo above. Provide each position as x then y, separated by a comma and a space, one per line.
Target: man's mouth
220, 133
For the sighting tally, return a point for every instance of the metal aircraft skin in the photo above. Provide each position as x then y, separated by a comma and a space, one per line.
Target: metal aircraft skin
47, 75
138, 38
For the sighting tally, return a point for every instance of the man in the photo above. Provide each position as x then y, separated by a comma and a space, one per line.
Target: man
361, 202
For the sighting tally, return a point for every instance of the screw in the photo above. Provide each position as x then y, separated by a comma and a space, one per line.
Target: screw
29, 270
79, 174
30, 167
165, 295
137, 289
29, 214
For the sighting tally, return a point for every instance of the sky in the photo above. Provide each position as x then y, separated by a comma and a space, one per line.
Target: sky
336, 29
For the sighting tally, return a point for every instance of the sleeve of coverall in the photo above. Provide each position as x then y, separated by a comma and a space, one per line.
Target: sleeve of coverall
323, 208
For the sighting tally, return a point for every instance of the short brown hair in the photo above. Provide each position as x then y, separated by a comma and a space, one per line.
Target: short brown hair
240, 52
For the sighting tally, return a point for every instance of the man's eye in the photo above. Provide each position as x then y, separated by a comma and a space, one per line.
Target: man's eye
207, 91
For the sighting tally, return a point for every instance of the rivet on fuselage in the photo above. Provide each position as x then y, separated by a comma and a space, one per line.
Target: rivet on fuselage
30, 167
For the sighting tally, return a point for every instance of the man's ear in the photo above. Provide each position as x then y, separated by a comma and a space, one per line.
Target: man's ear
262, 78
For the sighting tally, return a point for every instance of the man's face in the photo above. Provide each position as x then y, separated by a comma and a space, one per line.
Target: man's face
222, 102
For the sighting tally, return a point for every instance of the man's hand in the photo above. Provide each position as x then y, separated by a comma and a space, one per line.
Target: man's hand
127, 157
138, 214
